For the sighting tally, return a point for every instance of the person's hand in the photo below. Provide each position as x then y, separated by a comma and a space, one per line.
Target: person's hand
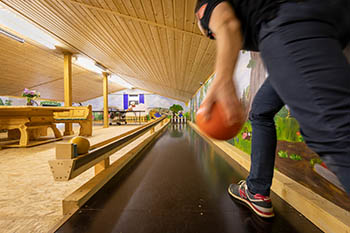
224, 92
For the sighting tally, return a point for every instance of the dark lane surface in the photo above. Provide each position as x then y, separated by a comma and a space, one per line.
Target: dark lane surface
179, 184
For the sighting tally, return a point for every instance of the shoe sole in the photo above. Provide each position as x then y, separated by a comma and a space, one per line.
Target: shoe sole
250, 205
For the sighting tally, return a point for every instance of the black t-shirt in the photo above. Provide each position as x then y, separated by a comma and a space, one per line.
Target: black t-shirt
251, 14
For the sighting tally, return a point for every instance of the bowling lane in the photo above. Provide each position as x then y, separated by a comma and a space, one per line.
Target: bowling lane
179, 184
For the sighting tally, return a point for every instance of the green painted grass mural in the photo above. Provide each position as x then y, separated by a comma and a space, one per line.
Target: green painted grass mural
287, 129
243, 140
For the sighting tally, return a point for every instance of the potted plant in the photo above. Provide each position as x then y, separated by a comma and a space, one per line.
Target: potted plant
30, 95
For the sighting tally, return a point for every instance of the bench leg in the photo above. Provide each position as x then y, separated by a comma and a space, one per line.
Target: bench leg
85, 128
56, 131
68, 129
43, 131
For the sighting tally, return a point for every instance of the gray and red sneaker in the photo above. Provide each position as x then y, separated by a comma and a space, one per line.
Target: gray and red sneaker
260, 204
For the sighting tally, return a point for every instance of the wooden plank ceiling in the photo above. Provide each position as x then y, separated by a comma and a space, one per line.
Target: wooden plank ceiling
154, 44
29, 66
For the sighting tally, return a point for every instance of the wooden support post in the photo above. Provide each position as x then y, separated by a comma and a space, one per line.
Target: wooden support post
101, 165
105, 100
68, 89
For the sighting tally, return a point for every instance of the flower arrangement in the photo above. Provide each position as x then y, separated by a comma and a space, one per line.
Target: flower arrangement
31, 95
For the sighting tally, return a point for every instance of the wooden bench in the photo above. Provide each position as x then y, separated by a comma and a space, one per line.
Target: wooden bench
81, 115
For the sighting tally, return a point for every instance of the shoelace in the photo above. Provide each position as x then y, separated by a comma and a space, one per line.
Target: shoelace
241, 183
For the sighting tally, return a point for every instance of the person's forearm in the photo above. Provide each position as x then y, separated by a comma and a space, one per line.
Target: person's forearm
227, 29
229, 43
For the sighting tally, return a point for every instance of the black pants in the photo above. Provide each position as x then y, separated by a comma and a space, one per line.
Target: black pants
302, 51
264, 140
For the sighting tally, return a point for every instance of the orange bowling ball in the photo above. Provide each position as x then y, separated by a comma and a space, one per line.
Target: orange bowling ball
215, 127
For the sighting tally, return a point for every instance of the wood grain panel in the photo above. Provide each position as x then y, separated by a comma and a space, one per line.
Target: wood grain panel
29, 66
156, 42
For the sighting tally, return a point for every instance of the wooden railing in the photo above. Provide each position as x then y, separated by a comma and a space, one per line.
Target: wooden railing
67, 165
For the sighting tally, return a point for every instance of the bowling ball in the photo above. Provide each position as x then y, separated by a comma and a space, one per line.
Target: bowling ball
82, 143
214, 126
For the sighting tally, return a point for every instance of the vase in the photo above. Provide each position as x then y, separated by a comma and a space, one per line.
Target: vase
29, 102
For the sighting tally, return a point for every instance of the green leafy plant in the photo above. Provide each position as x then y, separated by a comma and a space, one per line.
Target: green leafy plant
97, 116
8, 102
175, 108
295, 157
315, 160
282, 154
187, 115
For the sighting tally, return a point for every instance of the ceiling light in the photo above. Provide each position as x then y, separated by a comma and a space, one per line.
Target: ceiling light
14, 22
10, 35
116, 79
88, 64
102, 67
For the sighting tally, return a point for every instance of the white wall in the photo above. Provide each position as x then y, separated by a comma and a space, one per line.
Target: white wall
151, 100
20, 101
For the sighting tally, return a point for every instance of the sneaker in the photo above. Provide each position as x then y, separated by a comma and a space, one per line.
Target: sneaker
260, 204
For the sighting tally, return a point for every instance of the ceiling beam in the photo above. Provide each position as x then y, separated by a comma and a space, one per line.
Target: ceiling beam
133, 18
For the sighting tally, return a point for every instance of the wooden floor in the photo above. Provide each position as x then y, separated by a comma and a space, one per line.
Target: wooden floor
30, 199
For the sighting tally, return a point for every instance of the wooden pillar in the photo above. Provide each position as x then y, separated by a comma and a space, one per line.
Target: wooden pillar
68, 89
105, 100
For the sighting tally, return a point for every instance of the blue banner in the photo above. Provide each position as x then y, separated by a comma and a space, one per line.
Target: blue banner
142, 98
126, 101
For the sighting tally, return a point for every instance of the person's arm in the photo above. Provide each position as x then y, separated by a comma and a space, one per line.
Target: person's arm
226, 27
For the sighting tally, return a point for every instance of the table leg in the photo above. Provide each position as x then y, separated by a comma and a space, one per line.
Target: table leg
24, 140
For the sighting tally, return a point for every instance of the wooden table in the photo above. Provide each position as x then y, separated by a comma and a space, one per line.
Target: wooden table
27, 124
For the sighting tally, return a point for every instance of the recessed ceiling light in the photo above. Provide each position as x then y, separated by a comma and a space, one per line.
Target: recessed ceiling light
10, 35
21, 26
116, 79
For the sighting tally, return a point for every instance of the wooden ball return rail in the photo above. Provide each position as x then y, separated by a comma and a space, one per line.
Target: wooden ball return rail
68, 165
